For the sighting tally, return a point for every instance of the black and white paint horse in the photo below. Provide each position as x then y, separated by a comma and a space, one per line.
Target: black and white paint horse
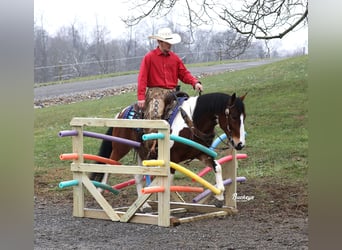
197, 121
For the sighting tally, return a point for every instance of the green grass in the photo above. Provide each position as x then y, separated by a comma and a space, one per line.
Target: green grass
276, 123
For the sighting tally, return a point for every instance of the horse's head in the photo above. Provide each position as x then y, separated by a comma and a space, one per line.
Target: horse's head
232, 121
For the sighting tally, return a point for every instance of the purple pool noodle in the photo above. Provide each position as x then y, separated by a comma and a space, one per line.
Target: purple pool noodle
207, 191
68, 133
111, 138
100, 136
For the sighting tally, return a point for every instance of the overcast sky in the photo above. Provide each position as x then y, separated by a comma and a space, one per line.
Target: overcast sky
54, 14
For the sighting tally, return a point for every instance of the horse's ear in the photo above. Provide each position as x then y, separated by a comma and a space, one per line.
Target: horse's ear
232, 99
243, 97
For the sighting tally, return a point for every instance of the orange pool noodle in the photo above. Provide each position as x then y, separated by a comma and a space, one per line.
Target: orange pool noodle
74, 156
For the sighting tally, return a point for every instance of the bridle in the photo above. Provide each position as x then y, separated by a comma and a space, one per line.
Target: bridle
227, 115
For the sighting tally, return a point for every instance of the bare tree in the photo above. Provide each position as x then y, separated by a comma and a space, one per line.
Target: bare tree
40, 51
40, 54
99, 47
266, 19
229, 44
67, 49
260, 19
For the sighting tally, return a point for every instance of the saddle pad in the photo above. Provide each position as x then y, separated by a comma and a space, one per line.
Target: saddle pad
131, 113
180, 101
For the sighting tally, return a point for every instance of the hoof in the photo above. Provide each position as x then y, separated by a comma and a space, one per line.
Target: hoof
218, 203
146, 210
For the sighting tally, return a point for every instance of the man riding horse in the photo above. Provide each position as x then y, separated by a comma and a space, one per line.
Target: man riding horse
159, 73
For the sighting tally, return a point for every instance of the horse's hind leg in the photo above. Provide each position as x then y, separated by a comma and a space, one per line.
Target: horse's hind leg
104, 151
145, 208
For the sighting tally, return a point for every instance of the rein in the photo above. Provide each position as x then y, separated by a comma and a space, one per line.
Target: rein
205, 138
224, 142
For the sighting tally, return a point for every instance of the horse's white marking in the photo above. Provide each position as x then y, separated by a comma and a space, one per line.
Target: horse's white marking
219, 181
242, 131
178, 124
104, 181
138, 182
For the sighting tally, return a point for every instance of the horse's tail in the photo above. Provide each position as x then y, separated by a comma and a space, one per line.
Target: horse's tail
105, 151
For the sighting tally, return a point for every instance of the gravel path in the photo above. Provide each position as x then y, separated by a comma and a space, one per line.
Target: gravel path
56, 228
276, 219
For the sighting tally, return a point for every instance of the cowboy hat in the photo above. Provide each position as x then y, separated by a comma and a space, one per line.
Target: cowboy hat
166, 35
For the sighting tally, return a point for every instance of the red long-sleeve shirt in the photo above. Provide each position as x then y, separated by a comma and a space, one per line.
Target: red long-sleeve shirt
160, 70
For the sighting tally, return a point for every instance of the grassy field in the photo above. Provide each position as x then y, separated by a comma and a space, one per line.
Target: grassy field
276, 123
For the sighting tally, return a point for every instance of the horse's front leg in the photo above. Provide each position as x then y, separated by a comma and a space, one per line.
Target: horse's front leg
219, 184
103, 180
218, 176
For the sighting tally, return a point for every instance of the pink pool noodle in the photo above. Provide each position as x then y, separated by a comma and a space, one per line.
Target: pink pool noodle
222, 160
124, 184
156, 189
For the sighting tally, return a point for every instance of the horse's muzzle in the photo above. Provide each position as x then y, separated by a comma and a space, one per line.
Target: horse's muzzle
239, 146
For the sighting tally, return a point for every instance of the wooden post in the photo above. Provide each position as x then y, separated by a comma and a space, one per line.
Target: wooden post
77, 147
229, 171
164, 181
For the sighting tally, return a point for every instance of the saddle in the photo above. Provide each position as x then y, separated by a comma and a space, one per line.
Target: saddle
172, 103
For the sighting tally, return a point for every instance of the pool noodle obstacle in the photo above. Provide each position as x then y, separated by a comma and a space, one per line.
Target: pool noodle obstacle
161, 174
65, 184
128, 183
74, 156
217, 141
222, 160
97, 158
100, 136
184, 171
153, 136
220, 139
156, 189
208, 191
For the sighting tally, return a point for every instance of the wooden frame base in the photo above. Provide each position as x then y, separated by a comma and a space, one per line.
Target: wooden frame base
165, 213
178, 213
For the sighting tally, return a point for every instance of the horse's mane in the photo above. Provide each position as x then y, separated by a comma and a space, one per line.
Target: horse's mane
213, 104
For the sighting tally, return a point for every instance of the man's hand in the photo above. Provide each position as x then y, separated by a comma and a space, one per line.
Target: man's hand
141, 103
199, 87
